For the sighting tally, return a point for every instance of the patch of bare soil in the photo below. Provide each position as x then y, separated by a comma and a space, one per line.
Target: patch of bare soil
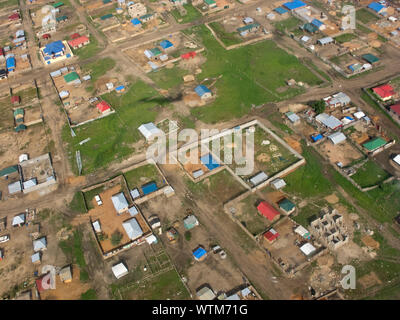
294, 143
370, 242
332, 199
369, 280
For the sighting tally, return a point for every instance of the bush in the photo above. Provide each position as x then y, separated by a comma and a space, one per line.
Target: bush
318, 106
188, 235
116, 238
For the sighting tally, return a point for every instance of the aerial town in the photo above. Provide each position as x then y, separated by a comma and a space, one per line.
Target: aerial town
308, 92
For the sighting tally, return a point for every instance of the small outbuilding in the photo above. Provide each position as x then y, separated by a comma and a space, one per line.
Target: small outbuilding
119, 270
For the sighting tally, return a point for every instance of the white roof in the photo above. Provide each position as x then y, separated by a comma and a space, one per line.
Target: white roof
39, 244
133, 211
132, 228
328, 121
119, 270
135, 193
245, 292
278, 183
337, 137
258, 178
205, 293
151, 239
197, 173
397, 159
119, 201
301, 231
149, 130
305, 38
359, 114
30, 183
14, 187
325, 40
23, 157
307, 248
96, 226
19, 219
35, 257
233, 297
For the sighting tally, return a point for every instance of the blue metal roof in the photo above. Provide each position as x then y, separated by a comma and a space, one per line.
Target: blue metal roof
165, 44
10, 62
317, 23
149, 188
317, 137
199, 252
119, 88
294, 4
201, 89
280, 10
209, 162
54, 47
377, 7
136, 21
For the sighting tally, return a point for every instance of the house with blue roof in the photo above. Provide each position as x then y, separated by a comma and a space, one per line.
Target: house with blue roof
55, 51
10, 64
377, 7
136, 22
280, 10
296, 4
203, 92
199, 254
166, 44
318, 24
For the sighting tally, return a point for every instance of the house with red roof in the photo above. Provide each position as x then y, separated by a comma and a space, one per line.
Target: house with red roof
79, 42
271, 235
15, 100
74, 35
103, 107
267, 210
384, 92
46, 36
188, 55
14, 16
395, 109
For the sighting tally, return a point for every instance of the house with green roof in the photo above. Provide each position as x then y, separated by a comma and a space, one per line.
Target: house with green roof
19, 115
72, 76
286, 206
9, 170
58, 4
310, 28
248, 28
61, 18
374, 144
210, 3
20, 127
155, 51
370, 58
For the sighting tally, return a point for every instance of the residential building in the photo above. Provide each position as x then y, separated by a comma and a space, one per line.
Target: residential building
203, 92
268, 211
132, 228
79, 42
120, 203
337, 137
119, 270
384, 92
149, 131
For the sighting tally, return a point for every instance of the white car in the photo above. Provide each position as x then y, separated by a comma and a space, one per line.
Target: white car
4, 239
98, 200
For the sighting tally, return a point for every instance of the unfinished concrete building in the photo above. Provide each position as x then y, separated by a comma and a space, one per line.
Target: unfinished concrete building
330, 228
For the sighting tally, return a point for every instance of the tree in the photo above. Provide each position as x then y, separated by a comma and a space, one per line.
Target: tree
116, 238
188, 235
318, 106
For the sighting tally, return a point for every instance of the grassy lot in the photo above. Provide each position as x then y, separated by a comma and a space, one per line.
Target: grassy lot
89, 195
168, 78
365, 16
191, 14
250, 75
89, 295
99, 68
6, 114
309, 212
288, 24
370, 174
73, 249
254, 222
345, 37
89, 50
224, 186
112, 137
228, 38
308, 180
8, 3
363, 29
142, 175
391, 292
77, 203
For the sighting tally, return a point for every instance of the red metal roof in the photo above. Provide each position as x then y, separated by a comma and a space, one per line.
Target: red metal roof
75, 35
46, 36
77, 41
14, 16
395, 108
271, 235
103, 106
15, 99
188, 55
1, 52
43, 283
384, 91
267, 210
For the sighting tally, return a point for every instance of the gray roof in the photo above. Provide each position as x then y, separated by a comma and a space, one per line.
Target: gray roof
30, 183
258, 178
278, 183
132, 228
119, 201
329, 121
325, 40
65, 273
14, 187
96, 226
19, 219
119, 270
39, 244
135, 193
35, 257
337, 137
197, 173
340, 98
206, 293
292, 116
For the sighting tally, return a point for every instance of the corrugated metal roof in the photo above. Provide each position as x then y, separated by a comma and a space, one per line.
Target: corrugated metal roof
132, 228
337, 137
258, 178
119, 202
14, 187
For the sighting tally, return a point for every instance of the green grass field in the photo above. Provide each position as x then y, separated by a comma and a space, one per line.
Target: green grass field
77, 203
89, 295
99, 68
250, 75
142, 175
370, 174
288, 24
112, 137
345, 37
253, 221
365, 16
192, 14
168, 78
227, 38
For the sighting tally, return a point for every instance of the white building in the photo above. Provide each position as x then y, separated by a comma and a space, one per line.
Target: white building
149, 131
137, 9
119, 270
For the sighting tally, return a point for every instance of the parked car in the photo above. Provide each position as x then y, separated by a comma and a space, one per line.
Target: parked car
4, 238
98, 200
